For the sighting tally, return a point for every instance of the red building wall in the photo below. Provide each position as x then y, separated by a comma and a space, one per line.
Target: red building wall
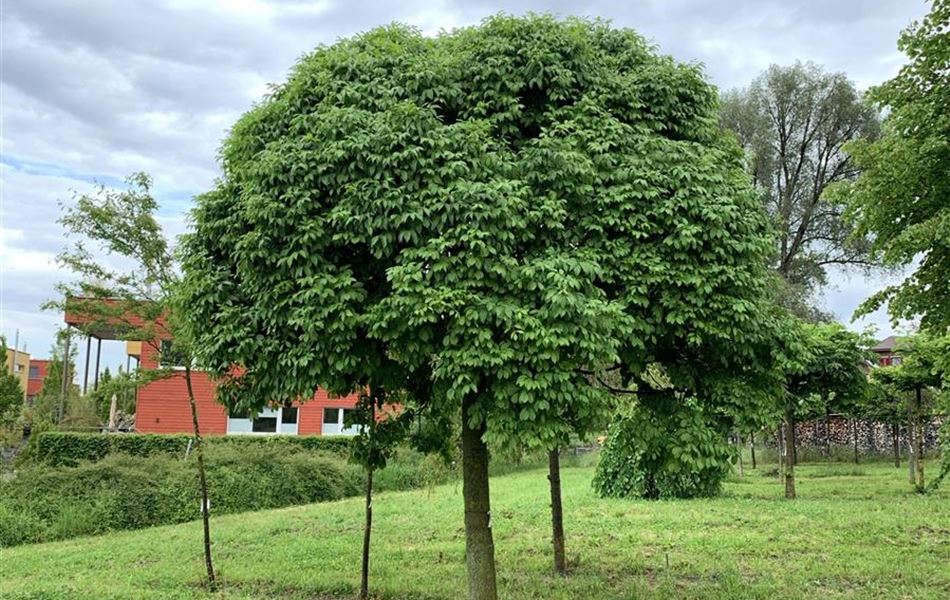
162, 405
34, 385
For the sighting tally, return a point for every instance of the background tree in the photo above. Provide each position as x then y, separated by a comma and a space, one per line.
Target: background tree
499, 212
828, 369
141, 303
918, 373
59, 393
11, 396
794, 123
900, 200
885, 403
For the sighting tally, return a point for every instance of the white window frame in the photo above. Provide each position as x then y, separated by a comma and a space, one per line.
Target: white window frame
337, 428
245, 426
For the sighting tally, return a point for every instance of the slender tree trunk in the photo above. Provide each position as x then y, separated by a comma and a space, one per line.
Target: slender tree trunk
367, 529
780, 447
919, 441
793, 446
557, 512
789, 454
911, 444
827, 440
752, 448
854, 438
741, 449
202, 480
895, 439
368, 525
479, 545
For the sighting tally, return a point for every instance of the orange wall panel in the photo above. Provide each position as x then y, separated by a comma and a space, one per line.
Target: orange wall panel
162, 405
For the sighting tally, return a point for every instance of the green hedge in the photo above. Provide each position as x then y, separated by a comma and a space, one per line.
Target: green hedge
119, 492
57, 448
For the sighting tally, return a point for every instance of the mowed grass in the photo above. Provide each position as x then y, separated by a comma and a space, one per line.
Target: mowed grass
854, 532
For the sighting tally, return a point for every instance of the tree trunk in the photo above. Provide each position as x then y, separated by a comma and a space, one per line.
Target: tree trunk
827, 440
557, 512
789, 454
740, 448
202, 480
794, 442
911, 445
376, 394
479, 546
895, 438
854, 438
780, 448
752, 448
919, 441
367, 529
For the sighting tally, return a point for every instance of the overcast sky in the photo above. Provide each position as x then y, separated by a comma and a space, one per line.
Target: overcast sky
94, 90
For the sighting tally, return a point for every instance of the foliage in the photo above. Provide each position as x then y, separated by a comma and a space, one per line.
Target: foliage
124, 492
66, 448
468, 204
671, 449
51, 405
11, 398
901, 197
829, 375
794, 123
122, 385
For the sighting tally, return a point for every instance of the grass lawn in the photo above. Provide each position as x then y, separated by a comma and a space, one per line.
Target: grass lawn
854, 532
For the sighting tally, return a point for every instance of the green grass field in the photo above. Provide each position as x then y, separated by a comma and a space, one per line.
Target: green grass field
854, 532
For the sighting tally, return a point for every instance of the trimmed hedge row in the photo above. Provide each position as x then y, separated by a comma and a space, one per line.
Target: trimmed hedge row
48, 503
58, 448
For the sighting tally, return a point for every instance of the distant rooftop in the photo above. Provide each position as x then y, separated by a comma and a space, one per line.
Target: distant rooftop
885, 345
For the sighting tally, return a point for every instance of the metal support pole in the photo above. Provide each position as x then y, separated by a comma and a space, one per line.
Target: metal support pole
85, 377
64, 384
95, 383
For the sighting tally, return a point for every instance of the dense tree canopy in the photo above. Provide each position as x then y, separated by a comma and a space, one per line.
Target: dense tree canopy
491, 217
502, 206
902, 198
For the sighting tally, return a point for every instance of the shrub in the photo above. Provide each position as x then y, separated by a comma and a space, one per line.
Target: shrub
128, 492
58, 448
672, 450
123, 491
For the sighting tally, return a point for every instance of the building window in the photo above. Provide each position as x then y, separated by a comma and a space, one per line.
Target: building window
282, 419
895, 360
334, 422
34, 372
169, 357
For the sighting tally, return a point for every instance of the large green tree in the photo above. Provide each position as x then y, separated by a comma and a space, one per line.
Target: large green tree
794, 123
495, 216
902, 199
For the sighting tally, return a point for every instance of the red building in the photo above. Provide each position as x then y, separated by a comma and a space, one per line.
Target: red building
38, 369
885, 351
162, 405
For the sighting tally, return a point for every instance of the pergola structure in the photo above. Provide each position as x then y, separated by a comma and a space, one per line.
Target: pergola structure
95, 324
